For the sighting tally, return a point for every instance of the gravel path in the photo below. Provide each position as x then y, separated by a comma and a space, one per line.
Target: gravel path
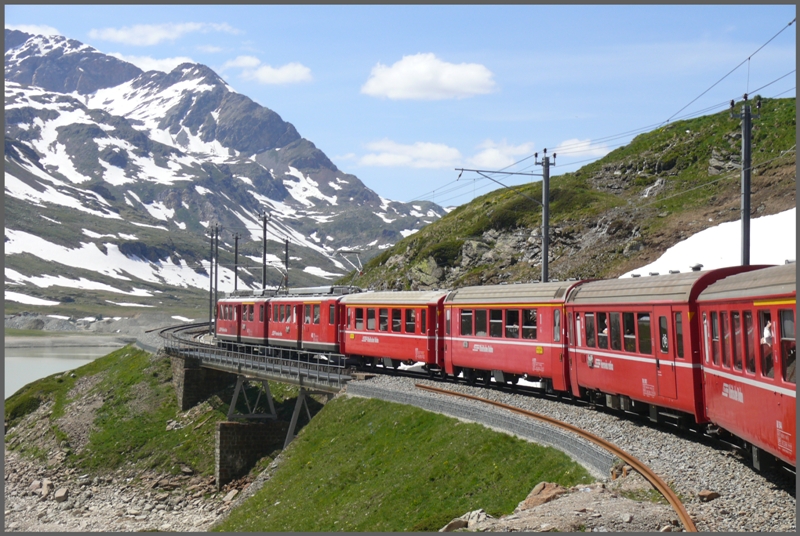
747, 502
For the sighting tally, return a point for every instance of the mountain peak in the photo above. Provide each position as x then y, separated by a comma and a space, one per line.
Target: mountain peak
43, 60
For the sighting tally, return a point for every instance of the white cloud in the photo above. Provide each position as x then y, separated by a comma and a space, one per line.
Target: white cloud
244, 62
36, 29
153, 34
288, 74
210, 49
419, 155
426, 77
576, 147
499, 155
147, 63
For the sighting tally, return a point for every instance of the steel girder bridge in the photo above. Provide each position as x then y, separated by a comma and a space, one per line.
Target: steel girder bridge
315, 373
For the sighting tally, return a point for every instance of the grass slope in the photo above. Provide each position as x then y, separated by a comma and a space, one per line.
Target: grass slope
130, 425
370, 465
678, 154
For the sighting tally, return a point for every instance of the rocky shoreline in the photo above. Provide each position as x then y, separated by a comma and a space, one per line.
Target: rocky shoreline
52, 498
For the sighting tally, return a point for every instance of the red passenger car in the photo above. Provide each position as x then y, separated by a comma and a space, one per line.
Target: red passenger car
507, 332
634, 339
229, 311
749, 351
393, 327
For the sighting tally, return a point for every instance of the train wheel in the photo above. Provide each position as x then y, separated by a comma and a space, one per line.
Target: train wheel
442, 374
431, 374
487, 378
456, 372
469, 375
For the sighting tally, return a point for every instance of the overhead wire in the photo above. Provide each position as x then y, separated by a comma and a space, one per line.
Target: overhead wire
599, 142
731, 71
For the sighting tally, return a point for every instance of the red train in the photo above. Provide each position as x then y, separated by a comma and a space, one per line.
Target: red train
715, 348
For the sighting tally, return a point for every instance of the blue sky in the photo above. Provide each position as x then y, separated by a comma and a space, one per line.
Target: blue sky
402, 95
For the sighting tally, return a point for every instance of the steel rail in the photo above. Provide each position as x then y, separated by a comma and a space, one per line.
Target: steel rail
631, 460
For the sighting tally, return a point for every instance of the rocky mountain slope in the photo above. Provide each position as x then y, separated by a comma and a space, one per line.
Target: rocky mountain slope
114, 177
609, 217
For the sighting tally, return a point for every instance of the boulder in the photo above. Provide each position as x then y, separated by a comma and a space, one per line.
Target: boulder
35, 485
707, 495
61, 495
542, 493
455, 524
475, 517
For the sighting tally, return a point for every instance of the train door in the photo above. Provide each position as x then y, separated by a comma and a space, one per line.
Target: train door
297, 320
664, 352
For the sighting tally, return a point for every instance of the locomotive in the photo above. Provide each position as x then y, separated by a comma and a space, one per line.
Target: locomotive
715, 348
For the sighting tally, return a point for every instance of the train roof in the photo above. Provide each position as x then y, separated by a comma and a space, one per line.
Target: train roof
414, 297
664, 288
772, 281
514, 293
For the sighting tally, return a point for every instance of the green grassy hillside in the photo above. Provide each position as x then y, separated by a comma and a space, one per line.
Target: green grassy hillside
610, 216
369, 465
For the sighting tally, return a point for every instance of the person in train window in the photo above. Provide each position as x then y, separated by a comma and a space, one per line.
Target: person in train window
767, 338
766, 346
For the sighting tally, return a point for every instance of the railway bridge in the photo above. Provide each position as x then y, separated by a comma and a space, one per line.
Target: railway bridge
200, 369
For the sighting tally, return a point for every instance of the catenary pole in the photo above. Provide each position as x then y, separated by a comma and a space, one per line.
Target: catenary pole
546, 216
216, 261
211, 286
264, 254
286, 263
747, 127
235, 261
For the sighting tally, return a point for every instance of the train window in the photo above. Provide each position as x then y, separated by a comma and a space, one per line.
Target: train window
724, 339
663, 336
602, 330
495, 322
411, 321
629, 327
714, 338
447, 321
645, 346
331, 314
423, 325
765, 323
529, 323
307, 319
512, 323
556, 325
349, 317
383, 319
252, 307
589, 318
466, 322
679, 334
275, 314
397, 320
359, 318
616, 327
480, 322
749, 347
317, 313
736, 322
788, 344
261, 313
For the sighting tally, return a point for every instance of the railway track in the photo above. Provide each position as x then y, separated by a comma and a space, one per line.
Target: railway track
631, 460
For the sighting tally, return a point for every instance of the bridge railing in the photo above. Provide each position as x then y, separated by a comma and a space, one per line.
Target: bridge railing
295, 366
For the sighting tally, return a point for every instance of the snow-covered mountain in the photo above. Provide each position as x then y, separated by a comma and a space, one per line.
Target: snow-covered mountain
115, 176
